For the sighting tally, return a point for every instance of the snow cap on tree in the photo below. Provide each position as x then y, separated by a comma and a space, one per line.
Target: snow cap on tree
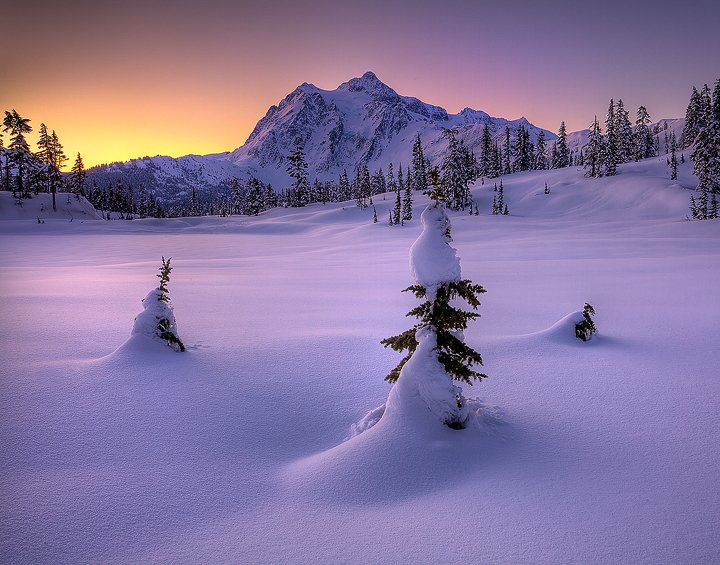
157, 320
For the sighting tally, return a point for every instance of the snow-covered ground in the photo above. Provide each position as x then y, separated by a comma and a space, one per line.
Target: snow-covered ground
235, 451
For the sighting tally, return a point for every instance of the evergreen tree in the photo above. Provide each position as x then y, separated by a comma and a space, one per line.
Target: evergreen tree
594, 150
19, 150
158, 320
610, 147
374, 215
486, 153
623, 134
562, 152
541, 158
297, 169
344, 187
693, 119
673, 158
585, 329
78, 175
440, 321
643, 138
507, 153
419, 176
397, 210
407, 203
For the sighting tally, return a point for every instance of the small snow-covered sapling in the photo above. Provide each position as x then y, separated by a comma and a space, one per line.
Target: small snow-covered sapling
586, 329
164, 324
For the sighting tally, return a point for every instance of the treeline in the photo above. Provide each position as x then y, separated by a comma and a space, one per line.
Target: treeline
25, 173
702, 129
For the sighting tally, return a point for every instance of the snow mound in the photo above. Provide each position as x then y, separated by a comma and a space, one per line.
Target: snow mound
562, 331
424, 394
39, 207
433, 261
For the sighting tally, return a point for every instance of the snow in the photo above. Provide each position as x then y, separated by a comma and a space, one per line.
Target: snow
236, 451
433, 261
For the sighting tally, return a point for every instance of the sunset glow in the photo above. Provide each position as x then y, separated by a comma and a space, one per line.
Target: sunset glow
133, 79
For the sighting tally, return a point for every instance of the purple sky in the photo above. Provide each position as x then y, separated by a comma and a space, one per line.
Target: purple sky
125, 79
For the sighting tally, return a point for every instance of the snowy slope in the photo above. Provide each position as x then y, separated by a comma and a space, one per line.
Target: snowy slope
39, 207
362, 121
234, 451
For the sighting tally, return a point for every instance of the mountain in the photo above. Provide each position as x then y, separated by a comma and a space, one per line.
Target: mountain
361, 121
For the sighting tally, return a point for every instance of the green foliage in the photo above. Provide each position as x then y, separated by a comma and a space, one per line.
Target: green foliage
164, 276
167, 334
164, 327
447, 320
586, 329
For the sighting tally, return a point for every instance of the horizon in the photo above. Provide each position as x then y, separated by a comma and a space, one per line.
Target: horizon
150, 76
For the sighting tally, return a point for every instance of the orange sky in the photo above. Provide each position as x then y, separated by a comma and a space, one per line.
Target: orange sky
126, 79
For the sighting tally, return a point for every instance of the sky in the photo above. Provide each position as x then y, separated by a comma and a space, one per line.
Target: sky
118, 80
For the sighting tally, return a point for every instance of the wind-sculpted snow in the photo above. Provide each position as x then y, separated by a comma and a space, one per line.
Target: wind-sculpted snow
235, 451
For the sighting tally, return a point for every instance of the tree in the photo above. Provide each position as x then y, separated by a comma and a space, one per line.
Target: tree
594, 150
436, 351
486, 153
694, 119
507, 153
673, 157
585, 329
297, 169
419, 177
623, 133
644, 145
78, 175
610, 157
157, 320
397, 210
19, 149
407, 203
561, 156
540, 157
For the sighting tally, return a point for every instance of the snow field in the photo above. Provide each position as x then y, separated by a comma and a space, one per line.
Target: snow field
598, 452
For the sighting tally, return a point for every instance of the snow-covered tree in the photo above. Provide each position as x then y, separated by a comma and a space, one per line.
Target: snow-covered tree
644, 144
540, 157
157, 320
593, 158
694, 118
78, 174
297, 169
585, 329
561, 153
436, 352
19, 150
673, 157
407, 202
623, 133
419, 172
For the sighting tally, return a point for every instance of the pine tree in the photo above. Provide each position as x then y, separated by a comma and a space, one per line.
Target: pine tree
500, 199
541, 158
374, 215
562, 152
419, 177
643, 138
673, 158
494, 205
507, 153
297, 169
397, 210
713, 211
78, 174
440, 321
19, 150
585, 329
594, 150
344, 187
693, 119
407, 203
486, 153
610, 158
623, 133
